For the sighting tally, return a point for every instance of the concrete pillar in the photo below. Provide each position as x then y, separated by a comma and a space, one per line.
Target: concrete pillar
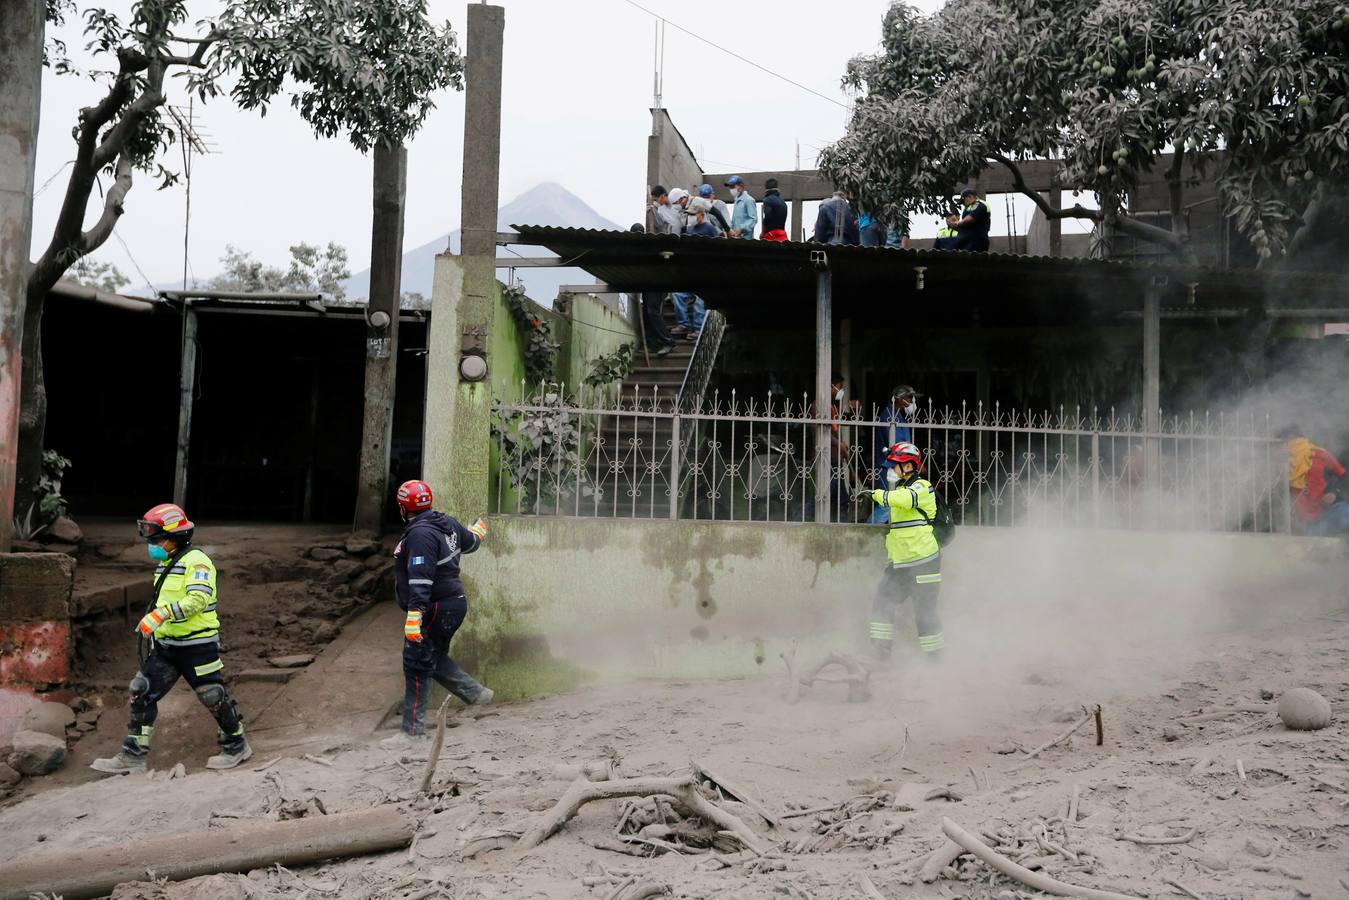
381, 339
457, 434
798, 226
824, 361
187, 385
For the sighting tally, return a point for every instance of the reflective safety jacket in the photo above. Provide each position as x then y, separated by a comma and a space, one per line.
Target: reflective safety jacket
187, 601
426, 560
910, 540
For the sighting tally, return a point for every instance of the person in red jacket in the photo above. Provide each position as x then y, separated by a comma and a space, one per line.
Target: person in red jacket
1314, 476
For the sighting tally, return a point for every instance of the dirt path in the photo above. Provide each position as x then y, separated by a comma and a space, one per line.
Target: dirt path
1282, 831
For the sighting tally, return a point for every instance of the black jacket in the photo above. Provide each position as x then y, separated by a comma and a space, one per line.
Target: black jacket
836, 223
426, 560
774, 211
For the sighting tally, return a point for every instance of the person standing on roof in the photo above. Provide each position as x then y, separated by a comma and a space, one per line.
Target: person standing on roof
774, 213
914, 570
836, 223
426, 580
871, 230
974, 223
184, 637
947, 235
665, 218
715, 211
745, 213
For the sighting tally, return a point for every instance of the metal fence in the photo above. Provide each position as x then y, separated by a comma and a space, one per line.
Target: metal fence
734, 460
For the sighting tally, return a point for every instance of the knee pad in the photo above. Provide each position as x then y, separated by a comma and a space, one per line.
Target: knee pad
211, 695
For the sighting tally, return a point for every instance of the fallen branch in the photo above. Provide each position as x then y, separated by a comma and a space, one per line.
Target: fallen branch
683, 789
857, 677
1044, 883
734, 792
613, 846
938, 860
434, 757
869, 888
1061, 738
1182, 888
96, 871
1157, 842
1224, 713
644, 891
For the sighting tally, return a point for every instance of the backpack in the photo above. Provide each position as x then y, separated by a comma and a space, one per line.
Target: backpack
943, 523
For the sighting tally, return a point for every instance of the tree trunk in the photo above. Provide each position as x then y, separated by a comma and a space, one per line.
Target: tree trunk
381, 344
21, 35
32, 409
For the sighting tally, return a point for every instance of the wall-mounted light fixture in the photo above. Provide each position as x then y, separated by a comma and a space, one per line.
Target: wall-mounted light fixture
918, 276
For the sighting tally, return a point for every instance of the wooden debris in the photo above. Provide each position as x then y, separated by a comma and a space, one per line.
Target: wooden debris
869, 888
734, 791
318, 759
95, 871
683, 789
1061, 738
1073, 803
937, 861
1031, 879
856, 676
432, 758
1157, 842
1182, 888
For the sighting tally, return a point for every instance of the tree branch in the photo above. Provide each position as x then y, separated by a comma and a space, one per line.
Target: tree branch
101, 230
1176, 243
1176, 188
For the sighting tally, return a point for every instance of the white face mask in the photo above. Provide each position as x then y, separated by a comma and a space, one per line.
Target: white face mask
891, 476
838, 397
911, 408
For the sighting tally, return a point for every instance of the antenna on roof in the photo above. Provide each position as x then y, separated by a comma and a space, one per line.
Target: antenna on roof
193, 140
658, 73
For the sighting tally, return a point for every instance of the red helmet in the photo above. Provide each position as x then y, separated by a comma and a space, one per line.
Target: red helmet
164, 521
414, 497
905, 452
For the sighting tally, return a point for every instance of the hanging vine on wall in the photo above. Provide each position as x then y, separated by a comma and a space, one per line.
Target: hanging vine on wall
611, 367
540, 350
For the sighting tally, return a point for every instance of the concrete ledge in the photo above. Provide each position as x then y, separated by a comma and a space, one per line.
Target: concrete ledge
35, 634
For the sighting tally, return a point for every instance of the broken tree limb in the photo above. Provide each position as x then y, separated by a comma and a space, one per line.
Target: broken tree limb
938, 860
1061, 738
1157, 842
1182, 888
857, 676
94, 872
583, 791
434, 756
995, 860
734, 791
644, 891
1224, 713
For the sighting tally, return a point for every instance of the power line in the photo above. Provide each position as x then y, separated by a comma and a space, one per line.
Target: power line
751, 62
134, 263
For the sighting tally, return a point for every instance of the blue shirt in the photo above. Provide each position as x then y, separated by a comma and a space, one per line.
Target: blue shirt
745, 215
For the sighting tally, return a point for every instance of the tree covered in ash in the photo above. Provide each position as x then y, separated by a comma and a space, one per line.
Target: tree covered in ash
367, 70
1253, 94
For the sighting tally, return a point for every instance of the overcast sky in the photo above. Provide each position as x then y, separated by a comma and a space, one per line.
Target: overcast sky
578, 85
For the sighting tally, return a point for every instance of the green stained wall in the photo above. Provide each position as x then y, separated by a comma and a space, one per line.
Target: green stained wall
555, 602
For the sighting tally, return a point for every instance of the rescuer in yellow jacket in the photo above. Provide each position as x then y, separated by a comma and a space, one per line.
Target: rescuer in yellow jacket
914, 571
184, 635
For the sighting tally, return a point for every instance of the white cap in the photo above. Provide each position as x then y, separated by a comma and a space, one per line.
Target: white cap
678, 194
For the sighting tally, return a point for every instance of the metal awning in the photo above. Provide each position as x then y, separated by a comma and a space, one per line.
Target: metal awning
767, 279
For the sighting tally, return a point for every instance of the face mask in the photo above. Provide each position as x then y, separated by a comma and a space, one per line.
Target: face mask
891, 477
838, 397
158, 553
911, 408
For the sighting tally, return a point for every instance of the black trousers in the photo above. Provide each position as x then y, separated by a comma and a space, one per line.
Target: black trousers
201, 667
920, 584
657, 335
429, 660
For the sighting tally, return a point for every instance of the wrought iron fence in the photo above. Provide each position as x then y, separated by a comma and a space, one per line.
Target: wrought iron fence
727, 459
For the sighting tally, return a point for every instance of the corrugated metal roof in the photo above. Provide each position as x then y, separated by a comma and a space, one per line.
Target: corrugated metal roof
768, 278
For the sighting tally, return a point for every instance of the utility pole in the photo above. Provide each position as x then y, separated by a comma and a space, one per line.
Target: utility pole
21, 35
381, 337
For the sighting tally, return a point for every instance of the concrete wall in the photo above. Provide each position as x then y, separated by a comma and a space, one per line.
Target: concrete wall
35, 631
597, 328
669, 160
557, 601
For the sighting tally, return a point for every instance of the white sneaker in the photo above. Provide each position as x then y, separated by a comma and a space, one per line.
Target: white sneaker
227, 760
120, 764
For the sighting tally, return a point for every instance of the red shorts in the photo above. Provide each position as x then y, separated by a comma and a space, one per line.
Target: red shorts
777, 234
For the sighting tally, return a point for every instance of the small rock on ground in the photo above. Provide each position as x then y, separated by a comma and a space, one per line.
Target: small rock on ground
324, 554
48, 718
8, 776
35, 753
294, 661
